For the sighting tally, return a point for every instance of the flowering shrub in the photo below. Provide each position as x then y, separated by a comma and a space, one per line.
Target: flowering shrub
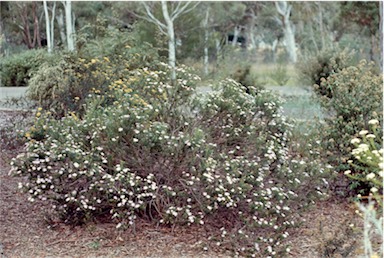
368, 160
356, 98
64, 86
148, 148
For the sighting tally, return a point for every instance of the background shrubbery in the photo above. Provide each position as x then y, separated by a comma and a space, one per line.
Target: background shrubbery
17, 69
327, 62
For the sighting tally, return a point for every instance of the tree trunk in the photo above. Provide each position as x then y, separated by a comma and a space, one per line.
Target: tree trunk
47, 27
60, 24
235, 36
171, 40
53, 25
291, 45
206, 38
289, 35
69, 25
25, 25
321, 26
36, 26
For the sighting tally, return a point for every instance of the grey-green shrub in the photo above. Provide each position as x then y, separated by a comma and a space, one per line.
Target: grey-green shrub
152, 149
356, 99
17, 69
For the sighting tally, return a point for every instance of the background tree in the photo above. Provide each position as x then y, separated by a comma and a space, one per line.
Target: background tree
284, 9
170, 12
49, 25
69, 25
366, 16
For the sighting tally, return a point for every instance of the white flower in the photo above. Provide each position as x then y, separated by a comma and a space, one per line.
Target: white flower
355, 140
370, 136
363, 132
135, 140
347, 172
370, 176
373, 122
120, 129
374, 190
76, 165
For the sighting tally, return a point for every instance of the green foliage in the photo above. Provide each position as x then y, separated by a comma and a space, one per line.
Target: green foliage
151, 149
16, 70
356, 98
280, 74
322, 65
114, 43
365, 14
64, 86
368, 163
235, 65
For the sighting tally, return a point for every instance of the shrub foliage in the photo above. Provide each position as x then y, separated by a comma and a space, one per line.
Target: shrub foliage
151, 149
321, 66
16, 70
356, 99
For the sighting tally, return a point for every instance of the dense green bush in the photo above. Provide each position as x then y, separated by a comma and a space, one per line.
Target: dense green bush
367, 161
17, 69
356, 98
321, 66
151, 149
64, 86
115, 44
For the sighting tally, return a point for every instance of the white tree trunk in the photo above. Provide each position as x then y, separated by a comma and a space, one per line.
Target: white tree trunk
289, 35
206, 39
69, 25
167, 28
321, 25
291, 44
53, 25
60, 24
235, 36
47, 27
171, 40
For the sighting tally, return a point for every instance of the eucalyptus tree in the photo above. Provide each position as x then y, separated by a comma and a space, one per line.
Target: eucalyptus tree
69, 25
166, 24
49, 25
284, 10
